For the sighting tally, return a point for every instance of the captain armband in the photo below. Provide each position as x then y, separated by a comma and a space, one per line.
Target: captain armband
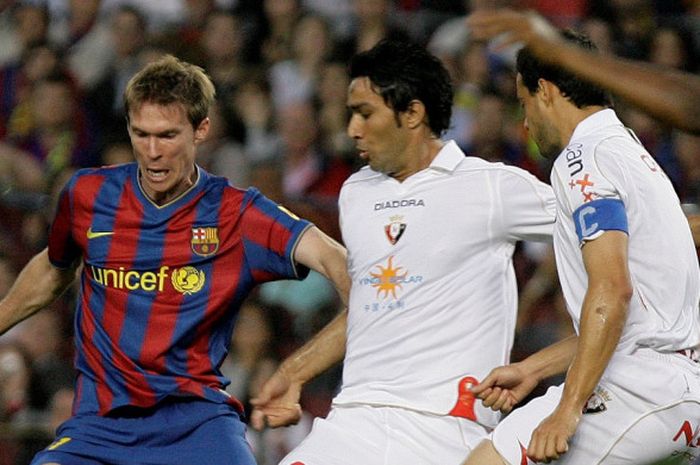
594, 218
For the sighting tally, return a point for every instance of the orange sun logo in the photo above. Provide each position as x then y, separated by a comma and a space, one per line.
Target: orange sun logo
389, 279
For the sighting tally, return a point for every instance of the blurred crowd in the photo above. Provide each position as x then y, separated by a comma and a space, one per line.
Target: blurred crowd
279, 124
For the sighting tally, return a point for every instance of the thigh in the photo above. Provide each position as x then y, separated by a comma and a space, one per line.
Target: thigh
386, 436
62, 458
419, 438
631, 419
643, 412
178, 433
512, 435
667, 433
347, 436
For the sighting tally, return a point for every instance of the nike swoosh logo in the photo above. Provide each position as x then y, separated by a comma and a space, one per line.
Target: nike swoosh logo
95, 234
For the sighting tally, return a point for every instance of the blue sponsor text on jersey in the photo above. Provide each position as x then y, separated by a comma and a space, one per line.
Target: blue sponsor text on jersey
573, 155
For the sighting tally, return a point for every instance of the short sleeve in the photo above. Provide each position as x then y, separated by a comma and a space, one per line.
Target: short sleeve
593, 189
529, 206
63, 250
271, 234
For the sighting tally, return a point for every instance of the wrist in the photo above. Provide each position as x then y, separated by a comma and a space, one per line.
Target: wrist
291, 372
532, 368
571, 404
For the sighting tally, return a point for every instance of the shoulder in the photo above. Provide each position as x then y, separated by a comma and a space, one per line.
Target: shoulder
499, 170
221, 187
117, 173
601, 134
586, 154
363, 175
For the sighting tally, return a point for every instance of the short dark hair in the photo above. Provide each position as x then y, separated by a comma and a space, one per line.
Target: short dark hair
170, 80
403, 71
580, 92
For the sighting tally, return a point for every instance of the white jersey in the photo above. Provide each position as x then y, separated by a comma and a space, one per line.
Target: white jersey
433, 299
605, 161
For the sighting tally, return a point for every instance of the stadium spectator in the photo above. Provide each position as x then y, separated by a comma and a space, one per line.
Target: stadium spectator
222, 43
295, 79
128, 29
85, 40
279, 20
22, 25
61, 135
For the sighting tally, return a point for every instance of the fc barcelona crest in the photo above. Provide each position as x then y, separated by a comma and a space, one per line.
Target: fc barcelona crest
205, 241
395, 229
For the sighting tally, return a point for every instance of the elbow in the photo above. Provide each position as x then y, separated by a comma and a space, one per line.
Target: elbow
625, 292
613, 300
621, 296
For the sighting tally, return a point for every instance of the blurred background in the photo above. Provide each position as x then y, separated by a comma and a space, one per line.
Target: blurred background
279, 124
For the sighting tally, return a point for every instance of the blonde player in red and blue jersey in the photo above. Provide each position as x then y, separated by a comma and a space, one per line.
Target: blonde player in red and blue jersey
169, 253
629, 274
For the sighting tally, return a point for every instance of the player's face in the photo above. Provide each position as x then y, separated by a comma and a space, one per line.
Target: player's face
164, 144
536, 122
379, 138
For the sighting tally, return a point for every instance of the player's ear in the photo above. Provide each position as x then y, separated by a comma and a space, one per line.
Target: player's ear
201, 131
415, 114
546, 91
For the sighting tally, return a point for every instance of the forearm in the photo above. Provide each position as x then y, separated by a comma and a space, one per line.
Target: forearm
552, 360
37, 285
323, 351
602, 320
668, 95
321, 253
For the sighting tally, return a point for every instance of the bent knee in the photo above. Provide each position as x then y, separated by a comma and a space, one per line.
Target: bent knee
485, 454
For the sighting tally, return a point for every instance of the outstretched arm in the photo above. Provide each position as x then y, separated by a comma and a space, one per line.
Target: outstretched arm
668, 95
277, 403
507, 386
603, 317
37, 285
321, 253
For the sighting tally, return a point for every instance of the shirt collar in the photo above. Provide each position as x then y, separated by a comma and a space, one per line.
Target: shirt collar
594, 122
448, 157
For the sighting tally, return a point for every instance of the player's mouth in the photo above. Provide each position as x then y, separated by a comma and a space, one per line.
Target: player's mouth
156, 175
362, 153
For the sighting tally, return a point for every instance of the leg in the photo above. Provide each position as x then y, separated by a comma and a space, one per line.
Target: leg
485, 454
61, 458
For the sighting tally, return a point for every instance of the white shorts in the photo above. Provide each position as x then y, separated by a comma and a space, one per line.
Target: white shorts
646, 408
362, 434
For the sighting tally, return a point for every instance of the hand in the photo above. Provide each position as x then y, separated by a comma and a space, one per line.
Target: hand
529, 28
505, 387
551, 438
277, 403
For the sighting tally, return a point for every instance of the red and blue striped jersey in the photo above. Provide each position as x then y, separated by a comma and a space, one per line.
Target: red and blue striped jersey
161, 285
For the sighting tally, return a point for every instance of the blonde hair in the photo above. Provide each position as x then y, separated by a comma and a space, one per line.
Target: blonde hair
170, 80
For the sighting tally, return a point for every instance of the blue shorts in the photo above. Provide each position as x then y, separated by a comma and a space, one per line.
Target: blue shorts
176, 432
